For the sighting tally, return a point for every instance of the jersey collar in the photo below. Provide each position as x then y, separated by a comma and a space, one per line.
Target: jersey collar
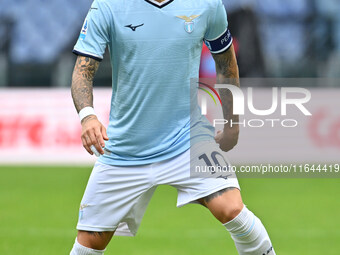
159, 5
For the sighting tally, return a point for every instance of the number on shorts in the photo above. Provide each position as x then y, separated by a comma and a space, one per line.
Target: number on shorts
213, 156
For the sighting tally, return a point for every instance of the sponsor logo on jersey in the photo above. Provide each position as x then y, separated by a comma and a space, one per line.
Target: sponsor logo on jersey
83, 31
189, 23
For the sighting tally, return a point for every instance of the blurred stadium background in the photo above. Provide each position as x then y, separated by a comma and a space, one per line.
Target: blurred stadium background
43, 168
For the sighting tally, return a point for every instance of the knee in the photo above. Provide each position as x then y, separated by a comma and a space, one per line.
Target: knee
230, 212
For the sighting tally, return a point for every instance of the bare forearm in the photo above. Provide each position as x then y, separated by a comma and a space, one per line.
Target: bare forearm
227, 73
226, 67
93, 132
82, 80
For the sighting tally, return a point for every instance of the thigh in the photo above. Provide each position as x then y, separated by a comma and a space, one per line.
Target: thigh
111, 194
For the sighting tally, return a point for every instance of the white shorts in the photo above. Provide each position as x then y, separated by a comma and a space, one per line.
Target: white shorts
116, 197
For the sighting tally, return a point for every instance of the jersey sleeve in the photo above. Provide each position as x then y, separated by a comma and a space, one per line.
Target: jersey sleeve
218, 37
95, 33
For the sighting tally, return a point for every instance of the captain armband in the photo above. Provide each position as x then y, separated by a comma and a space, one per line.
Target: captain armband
221, 43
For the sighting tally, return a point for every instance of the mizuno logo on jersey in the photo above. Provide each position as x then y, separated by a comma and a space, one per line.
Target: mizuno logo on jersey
133, 28
189, 22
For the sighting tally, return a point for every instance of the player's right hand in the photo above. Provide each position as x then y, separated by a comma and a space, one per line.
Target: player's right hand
93, 133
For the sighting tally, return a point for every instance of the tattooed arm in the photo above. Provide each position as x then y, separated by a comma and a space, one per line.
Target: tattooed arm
227, 73
93, 132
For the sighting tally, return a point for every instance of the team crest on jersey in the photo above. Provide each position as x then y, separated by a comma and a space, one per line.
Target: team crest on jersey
83, 31
189, 23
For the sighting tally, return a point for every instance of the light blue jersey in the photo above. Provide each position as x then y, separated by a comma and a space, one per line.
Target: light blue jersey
155, 50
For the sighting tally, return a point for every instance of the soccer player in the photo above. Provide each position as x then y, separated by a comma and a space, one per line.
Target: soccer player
154, 133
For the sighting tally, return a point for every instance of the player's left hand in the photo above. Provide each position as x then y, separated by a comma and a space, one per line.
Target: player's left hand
227, 139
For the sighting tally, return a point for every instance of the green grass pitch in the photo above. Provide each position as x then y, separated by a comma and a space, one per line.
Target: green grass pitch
39, 210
